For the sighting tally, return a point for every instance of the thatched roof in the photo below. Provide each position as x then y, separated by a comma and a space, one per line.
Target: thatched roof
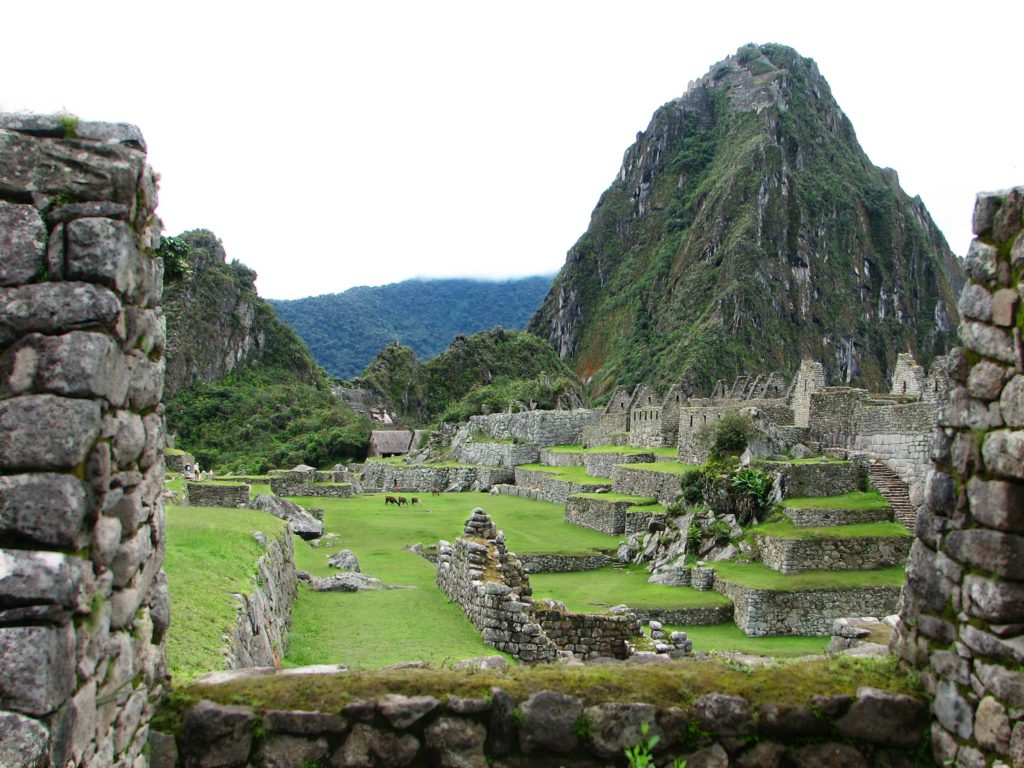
390, 441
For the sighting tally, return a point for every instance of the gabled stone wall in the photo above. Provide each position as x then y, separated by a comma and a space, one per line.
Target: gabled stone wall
83, 599
963, 605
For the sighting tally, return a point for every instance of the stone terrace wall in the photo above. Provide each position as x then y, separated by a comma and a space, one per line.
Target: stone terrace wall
544, 486
382, 476
559, 459
551, 562
663, 486
604, 515
217, 494
963, 606
541, 428
875, 727
260, 636
497, 454
83, 599
824, 479
602, 464
589, 635
803, 612
817, 554
901, 436
498, 603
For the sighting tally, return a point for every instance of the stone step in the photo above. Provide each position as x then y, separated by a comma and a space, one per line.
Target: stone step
895, 492
861, 553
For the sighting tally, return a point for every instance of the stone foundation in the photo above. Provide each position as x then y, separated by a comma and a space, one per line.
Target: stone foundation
663, 486
382, 476
550, 562
602, 464
541, 428
825, 479
590, 635
600, 514
686, 617
545, 486
217, 494
822, 517
496, 454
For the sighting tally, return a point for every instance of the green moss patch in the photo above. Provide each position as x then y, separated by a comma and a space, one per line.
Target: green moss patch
728, 638
569, 474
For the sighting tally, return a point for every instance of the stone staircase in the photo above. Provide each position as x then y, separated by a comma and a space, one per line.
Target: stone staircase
895, 492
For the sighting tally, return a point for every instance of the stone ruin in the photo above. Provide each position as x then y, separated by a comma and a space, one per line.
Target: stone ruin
83, 599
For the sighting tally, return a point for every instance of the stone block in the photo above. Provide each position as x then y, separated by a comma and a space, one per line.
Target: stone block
976, 303
992, 726
885, 718
724, 715
39, 667
23, 742
997, 504
1003, 451
549, 723
988, 341
54, 307
985, 206
77, 364
790, 721
45, 432
146, 385
55, 253
103, 251
457, 742
1011, 403
43, 507
45, 578
1004, 305
22, 243
985, 381
145, 330
402, 711
982, 261
291, 752
996, 601
616, 726
129, 435
993, 551
370, 746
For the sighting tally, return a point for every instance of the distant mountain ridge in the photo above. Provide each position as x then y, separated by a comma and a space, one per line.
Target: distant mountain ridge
345, 331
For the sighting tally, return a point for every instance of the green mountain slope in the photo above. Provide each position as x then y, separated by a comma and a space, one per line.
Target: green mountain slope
345, 330
479, 372
747, 229
242, 391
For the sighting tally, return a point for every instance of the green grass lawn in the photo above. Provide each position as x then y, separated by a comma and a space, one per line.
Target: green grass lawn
210, 556
596, 591
637, 500
762, 577
784, 529
372, 629
726, 638
852, 500
571, 474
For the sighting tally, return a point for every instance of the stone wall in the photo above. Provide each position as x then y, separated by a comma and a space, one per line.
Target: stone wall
601, 464
832, 554
553, 562
496, 454
636, 522
488, 582
818, 479
260, 636
810, 379
875, 727
545, 486
590, 635
83, 598
663, 486
175, 462
803, 612
686, 617
542, 428
962, 614
908, 378
901, 436
604, 515
383, 476
217, 494
559, 459
645, 426
817, 517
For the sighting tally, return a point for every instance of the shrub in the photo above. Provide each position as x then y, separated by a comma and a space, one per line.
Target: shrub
692, 485
728, 436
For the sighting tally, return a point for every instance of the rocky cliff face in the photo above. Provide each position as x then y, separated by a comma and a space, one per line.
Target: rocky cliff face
217, 322
747, 229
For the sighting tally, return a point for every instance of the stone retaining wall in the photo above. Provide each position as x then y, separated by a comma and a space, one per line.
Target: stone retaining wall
875, 727
602, 464
837, 554
175, 462
559, 459
542, 428
663, 486
962, 614
637, 522
382, 476
260, 636
551, 562
818, 517
217, 494
825, 479
606, 516
686, 617
497, 454
544, 486
803, 612
589, 635
83, 597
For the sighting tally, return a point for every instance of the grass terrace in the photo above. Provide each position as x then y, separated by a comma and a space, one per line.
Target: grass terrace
811, 460
210, 556
637, 501
853, 500
758, 576
728, 638
664, 451
596, 591
784, 529
668, 467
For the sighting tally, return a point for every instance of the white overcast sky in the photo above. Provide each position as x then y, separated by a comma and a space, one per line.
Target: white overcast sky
360, 143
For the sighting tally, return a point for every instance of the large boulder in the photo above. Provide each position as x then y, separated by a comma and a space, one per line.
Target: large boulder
344, 560
301, 522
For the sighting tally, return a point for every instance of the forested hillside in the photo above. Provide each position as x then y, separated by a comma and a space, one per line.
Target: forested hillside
344, 331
